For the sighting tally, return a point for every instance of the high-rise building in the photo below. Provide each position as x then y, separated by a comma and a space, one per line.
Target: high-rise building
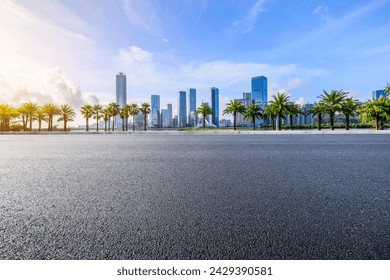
260, 90
154, 120
214, 101
191, 107
164, 118
246, 100
121, 93
170, 115
378, 93
175, 121
182, 109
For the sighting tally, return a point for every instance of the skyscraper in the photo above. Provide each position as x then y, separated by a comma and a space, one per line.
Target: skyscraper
121, 93
170, 115
182, 109
260, 90
191, 107
214, 101
164, 118
378, 93
154, 120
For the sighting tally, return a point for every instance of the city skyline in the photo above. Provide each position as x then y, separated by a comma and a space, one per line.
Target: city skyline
67, 52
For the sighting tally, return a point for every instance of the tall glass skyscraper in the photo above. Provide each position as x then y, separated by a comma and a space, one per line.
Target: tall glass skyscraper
260, 90
155, 111
182, 109
121, 93
214, 101
191, 107
170, 115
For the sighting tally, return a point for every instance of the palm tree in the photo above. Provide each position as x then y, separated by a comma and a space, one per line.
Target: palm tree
292, 110
23, 113
97, 110
233, 107
133, 111
253, 111
124, 114
204, 109
126, 109
87, 112
319, 110
332, 103
106, 118
377, 111
67, 114
114, 111
7, 113
387, 90
30, 109
280, 106
269, 112
50, 110
41, 116
145, 110
348, 108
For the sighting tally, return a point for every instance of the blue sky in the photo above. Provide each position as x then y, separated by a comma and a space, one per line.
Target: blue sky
70, 51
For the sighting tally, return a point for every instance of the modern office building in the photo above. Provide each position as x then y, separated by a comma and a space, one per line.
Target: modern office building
191, 107
175, 121
182, 109
214, 101
170, 115
378, 93
164, 118
121, 93
154, 120
260, 90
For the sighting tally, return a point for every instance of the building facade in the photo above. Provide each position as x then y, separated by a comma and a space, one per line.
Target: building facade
170, 115
164, 118
191, 108
182, 109
214, 101
121, 92
154, 120
260, 90
378, 93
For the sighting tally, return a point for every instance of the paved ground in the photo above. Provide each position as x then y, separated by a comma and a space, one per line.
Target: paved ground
185, 196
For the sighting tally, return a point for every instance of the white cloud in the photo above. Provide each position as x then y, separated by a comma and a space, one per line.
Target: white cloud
246, 23
301, 101
295, 83
135, 54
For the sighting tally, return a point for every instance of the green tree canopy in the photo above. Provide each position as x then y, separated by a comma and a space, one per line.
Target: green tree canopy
234, 107
204, 109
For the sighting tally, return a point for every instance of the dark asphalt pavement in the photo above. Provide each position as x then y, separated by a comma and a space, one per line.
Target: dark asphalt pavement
122, 196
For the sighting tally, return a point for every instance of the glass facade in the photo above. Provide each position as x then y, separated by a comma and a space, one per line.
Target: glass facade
259, 90
214, 101
378, 93
191, 107
164, 118
170, 115
155, 111
121, 94
182, 109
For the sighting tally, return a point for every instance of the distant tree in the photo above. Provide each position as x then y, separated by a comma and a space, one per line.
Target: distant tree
133, 111
332, 103
145, 110
319, 110
7, 113
114, 111
67, 114
348, 108
270, 113
377, 111
234, 107
280, 105
123, 114
97, 111
126, 110
252, 112
29, 109
106, 118
204, 109
50, 110
387, 90
292, 110
87, 112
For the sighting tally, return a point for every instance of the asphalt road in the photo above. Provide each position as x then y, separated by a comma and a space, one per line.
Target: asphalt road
194, 196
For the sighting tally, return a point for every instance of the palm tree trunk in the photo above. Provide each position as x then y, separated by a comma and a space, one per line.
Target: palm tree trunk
144, 122
204, 121
253, 122
97, 122
113, 123
87, 124
133, 124
377, 123
64, 125
127, 124
332, 121
319, 121
31, 122
279, 121
39, 124
234, 120
347, 121
291, 124
123, 124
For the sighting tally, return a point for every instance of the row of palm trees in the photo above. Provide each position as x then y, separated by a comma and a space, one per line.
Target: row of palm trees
30, 112
111, 111
331, 103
